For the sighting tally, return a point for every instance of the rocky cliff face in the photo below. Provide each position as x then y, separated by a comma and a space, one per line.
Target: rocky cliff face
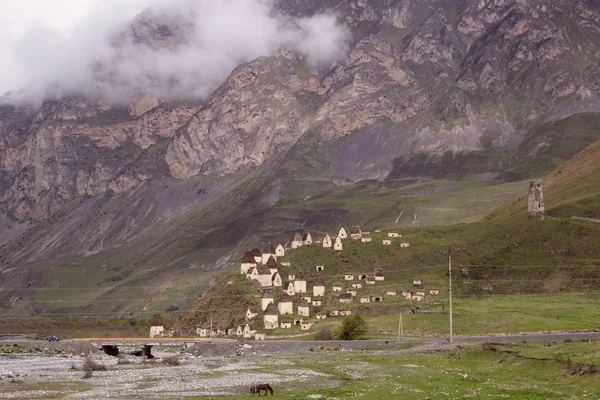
429, 76
427, 87
74, 148
258, 113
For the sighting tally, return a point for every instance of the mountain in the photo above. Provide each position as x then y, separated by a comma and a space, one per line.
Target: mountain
129, 207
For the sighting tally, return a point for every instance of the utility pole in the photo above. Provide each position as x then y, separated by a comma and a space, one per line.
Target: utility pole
450, 289
210, 335
400, 327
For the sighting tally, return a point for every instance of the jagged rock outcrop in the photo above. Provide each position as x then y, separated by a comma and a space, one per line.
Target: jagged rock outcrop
82, 150
142, 104
255, 115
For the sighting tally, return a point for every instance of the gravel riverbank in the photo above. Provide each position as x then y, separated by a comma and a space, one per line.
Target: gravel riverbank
39, 376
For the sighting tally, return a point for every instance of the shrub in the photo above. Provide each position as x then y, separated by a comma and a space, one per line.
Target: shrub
323, 334
89, 366
353, 328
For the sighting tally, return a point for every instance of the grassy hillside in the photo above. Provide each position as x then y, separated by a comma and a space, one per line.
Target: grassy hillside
572, 189
225, 304
166, 269
511, 262
510, 275
405, 203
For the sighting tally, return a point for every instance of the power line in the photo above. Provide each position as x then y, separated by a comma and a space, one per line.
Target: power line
528, 266
442, 268
209, 310
177, 287
399, 286
463, 280
111, 314
118, 300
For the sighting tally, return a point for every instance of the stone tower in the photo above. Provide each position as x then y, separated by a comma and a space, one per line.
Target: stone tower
156, 326
536, 198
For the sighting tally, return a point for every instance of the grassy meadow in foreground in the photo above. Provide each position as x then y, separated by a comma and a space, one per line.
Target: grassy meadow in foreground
523, 371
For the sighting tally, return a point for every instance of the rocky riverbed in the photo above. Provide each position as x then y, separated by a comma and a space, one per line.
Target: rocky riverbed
34, 369
166, 377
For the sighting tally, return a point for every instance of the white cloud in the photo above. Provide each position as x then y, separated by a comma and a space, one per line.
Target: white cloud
23, 18
17, 17
92, 55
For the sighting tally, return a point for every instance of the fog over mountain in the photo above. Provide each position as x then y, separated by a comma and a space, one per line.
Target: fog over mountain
174, 50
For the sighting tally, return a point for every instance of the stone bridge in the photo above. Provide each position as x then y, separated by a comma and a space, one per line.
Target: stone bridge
111, 345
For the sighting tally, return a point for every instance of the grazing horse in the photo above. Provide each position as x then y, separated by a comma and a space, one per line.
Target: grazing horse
258, 388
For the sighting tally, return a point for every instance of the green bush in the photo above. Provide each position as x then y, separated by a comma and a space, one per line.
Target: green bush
353, 328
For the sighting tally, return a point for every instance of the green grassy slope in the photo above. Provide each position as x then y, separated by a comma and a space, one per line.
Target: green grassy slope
496, 262
520, 371
572, 189
172, 265
411, 203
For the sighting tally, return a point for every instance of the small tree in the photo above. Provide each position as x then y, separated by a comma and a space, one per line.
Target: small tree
353, 328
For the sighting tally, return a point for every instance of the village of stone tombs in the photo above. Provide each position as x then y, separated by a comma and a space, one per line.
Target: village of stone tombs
294, 302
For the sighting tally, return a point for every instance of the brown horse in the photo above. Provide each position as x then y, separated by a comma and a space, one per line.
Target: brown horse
258, 388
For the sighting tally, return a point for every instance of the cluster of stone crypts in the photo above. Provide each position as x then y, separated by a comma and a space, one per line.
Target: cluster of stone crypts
392, 235
263, 266
287, 298
419, 293
299, 295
